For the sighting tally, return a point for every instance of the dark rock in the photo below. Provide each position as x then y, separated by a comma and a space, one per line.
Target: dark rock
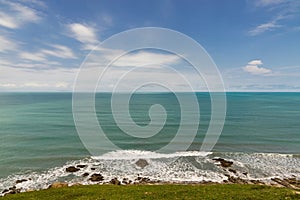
224, 163
93, 168
245, 173
81, 166
12, 188
21, 181
141, 163
293, 181
125, 181
115, 181
85, 174
72, 169
256, 182
4, 191
237, 180
142, 179
96, 178
232, 170
284, 183
145, 180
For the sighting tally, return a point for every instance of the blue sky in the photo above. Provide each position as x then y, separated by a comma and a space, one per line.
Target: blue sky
253, 43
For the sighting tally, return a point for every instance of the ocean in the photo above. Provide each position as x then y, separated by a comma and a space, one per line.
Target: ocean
261, 136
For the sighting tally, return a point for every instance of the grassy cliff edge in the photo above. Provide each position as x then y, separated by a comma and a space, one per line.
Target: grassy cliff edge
167, 191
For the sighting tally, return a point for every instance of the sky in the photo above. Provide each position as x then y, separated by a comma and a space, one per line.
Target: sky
254, 43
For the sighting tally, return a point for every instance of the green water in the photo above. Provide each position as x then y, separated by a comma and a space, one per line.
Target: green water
37, 130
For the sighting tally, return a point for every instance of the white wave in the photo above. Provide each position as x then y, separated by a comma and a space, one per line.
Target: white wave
191, 166
138, 154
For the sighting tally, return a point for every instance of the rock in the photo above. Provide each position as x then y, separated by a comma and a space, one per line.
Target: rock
284, 183
81, 166
145, 180
141, 163
224, 163
142, 179
256, 182
58, 185
237, 180
21, 181
293, 181
85, 174
115, 181
93, 168
245, 173
125, 181
72, 169
232, 170
96, 178
12, 190
4, 191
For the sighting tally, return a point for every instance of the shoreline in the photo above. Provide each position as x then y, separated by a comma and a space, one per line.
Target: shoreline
234, 176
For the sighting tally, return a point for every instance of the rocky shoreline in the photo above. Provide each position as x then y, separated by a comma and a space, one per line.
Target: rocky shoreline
234, 176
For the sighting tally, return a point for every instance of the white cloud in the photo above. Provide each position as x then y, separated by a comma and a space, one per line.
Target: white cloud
7, 44
146, 58
264, 27
7, 85
7, 21
253, 68
83, 33
17, 15
255, 62
38, 57
16, 79
59, 51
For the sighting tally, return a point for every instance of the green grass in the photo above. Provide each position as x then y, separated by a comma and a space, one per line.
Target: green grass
219, 191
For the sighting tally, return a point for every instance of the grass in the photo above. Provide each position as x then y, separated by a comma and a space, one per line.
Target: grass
219, 191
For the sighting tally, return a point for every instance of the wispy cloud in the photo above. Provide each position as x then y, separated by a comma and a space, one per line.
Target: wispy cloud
268, 2
59, 51
13, 15
38, 57
282, 11
7, 44
83, 33
42, 55
264, 27
253, 67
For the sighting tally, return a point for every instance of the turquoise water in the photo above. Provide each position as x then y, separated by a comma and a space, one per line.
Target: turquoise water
37, 131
